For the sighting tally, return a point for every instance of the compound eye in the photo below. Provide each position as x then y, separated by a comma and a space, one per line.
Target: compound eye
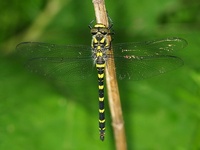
104, 31
93, 31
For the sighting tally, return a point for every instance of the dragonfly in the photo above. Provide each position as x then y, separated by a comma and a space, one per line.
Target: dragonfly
133, 61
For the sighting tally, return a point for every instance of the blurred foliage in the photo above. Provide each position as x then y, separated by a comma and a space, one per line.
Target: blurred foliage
16, 16
159, 113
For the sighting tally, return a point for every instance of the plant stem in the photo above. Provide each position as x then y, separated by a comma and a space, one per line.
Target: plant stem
112, 85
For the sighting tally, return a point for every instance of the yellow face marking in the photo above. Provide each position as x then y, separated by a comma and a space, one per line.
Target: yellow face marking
99, 26
100, 65
101, 99
102, 121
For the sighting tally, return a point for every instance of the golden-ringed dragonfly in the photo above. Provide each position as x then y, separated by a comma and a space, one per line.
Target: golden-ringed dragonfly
135, 61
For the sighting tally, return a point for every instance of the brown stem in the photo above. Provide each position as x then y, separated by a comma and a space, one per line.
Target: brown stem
112, 85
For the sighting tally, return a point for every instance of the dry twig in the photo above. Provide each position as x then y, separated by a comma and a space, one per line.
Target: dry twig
112, 85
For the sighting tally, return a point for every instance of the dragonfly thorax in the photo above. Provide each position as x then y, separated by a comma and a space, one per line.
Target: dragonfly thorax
100, 44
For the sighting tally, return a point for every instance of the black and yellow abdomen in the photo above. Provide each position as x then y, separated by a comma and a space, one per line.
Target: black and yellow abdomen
100, 47
100, 71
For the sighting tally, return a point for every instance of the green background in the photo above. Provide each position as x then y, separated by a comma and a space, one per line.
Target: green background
160, 113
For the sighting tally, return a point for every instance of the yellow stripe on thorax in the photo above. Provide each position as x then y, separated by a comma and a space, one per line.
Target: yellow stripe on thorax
102, 40
99, 54
95, 40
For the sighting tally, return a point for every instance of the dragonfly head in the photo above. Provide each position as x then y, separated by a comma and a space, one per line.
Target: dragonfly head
99, 29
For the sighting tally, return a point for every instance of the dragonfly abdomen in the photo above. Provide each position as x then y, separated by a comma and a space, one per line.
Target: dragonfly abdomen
100, 71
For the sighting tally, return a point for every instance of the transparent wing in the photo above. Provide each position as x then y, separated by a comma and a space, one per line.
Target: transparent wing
60, 62
31, 50
133, 60
145, 67
142, 60
150, 48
